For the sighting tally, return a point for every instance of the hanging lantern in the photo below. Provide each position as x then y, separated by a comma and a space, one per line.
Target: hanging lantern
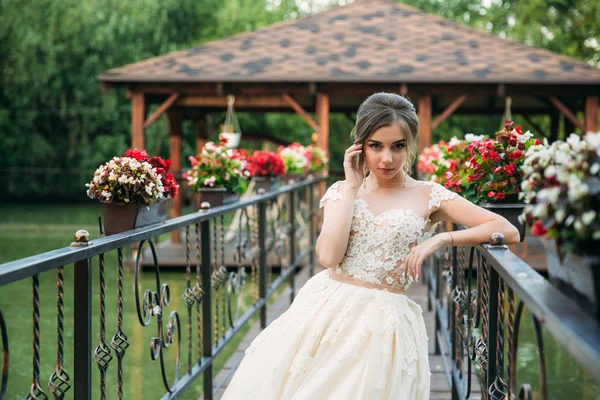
230, 130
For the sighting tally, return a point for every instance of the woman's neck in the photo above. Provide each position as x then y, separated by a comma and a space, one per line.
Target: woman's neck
399, 182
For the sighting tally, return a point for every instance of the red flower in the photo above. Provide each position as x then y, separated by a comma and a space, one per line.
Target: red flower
510, 169
497, 170
223, 140
139, 155
491, 194
500, 196
508, 125
470, 178
537, 142
538, 228
519, 129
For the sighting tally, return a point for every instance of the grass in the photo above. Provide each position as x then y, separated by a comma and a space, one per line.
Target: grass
29, 230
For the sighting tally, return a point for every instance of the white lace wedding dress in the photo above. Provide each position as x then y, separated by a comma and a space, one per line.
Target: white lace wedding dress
340, 341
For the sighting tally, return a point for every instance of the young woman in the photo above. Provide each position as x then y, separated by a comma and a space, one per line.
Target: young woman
352, 332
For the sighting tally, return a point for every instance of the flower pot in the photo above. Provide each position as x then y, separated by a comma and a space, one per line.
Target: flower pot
121, 217
510, 211
291, 178
576, 276
215, 197
265, 182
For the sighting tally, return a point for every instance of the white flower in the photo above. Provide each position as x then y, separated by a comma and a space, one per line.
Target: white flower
560, 215
227, 176
595, 169
471, 137
550, 171
454, 141
588, 217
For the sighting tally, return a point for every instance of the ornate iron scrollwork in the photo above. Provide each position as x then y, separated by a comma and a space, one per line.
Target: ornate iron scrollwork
152, 305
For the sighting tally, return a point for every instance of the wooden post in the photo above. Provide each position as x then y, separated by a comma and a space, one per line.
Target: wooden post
138, 115
591, 114
175, 122
322, 111
201, 134
424, 110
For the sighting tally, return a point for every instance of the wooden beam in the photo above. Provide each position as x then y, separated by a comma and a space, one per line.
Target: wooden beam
175, 124
201, 134
591, 114
448, 111
567, 113
298, 108
323, 121
245, 101
535, 126
161, 110
424, 110
138, 113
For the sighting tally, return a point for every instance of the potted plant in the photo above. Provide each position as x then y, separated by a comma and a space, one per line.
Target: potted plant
442, 161
562, 190
317, 160
295, 161
133, 189
217, 174
265, 168
493, 174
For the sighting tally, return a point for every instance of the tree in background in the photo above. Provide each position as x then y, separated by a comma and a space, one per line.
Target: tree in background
53, 115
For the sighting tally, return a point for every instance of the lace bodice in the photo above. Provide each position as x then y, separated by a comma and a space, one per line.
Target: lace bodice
378, 244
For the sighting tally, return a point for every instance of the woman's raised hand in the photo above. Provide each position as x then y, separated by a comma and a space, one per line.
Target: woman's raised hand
354, 174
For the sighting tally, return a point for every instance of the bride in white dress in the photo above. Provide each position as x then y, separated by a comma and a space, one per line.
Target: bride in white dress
352, 332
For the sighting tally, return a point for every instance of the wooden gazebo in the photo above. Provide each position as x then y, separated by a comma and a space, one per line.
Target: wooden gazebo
329, 62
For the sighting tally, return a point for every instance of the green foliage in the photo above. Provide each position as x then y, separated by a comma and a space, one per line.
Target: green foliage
53, 114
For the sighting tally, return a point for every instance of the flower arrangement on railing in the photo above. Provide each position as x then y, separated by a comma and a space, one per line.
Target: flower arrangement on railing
316, 158
217, 167
265, 164
133, 178
133, 188
562, 189
294, 158
494, 171
442, 161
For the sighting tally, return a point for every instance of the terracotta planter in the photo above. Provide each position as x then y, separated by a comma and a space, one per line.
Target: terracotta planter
511, 212
216, 197
576, 276
121, 217
266, 183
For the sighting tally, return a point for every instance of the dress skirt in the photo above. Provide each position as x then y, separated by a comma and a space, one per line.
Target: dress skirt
338, 341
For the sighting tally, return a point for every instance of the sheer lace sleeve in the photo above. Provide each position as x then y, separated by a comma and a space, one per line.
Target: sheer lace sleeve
438, 194
334, 193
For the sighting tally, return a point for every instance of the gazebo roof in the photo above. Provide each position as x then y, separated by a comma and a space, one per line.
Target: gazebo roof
365, 41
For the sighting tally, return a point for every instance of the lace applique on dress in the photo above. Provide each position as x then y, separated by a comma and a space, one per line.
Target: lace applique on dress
438, 194
378, 244
332, 193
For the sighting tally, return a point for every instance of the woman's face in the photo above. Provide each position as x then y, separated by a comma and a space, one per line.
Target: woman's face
386, 152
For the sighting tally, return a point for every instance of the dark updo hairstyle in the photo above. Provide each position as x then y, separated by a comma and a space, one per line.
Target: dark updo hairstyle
386, 109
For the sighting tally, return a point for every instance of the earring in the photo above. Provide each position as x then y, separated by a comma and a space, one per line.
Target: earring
365, 172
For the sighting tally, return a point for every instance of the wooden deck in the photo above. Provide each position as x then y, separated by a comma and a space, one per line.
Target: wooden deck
440, 387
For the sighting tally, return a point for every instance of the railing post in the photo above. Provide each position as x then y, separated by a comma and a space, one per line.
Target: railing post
492, 327
262, 282
438, 291
207, 308
292, 243
82, 330
313, 215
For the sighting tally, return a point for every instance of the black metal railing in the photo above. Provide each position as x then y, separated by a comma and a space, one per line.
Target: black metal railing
270, 230
479, 294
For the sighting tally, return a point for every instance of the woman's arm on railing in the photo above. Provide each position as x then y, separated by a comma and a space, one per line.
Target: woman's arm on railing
337, 220
480, 223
